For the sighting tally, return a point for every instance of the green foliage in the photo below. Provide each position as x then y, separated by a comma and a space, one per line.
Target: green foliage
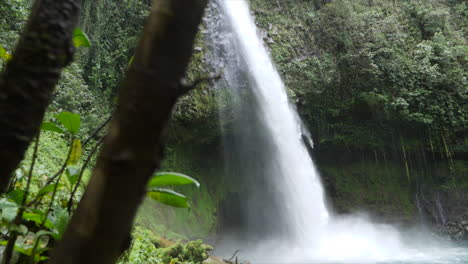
49, 126
171, 178
80, 38
143, 249
190, 253
4, 55
386, 68
114, 27
70, 121
75, 152
167, 196
43, 207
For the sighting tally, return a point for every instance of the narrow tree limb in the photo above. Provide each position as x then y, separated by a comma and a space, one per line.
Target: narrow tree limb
185, 87
96, 131
80, 177
133, 147
27, 83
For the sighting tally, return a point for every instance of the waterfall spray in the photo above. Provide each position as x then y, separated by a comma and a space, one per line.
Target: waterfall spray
268, 148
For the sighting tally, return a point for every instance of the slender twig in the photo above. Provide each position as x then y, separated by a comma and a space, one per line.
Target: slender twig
54, 193
96, 131
185, 87
64, 165
8, 253
234, 255
85, 164
56, 175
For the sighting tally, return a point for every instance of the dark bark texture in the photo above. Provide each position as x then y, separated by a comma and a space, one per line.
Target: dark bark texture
133, 146
27, 83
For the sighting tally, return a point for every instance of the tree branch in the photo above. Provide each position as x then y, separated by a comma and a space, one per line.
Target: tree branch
133, 147
27, 83
186, 87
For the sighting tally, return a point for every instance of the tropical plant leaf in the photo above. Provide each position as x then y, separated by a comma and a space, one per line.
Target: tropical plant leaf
38, 219
5, 203
80, 38
60, 220
8, 57
9, 213
4, 54
171, 179
75, 153
45, 190
2, 51
16, 196
169, 197
72, 175
70, 121
22, 229
130, 61
49, 126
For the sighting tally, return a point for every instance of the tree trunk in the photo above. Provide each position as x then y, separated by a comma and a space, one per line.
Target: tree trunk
133, 147
27, 83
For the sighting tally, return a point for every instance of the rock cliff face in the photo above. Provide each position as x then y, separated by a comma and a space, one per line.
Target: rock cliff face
373, 155
381, 90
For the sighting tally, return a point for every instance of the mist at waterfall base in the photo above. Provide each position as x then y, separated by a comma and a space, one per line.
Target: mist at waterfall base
283, 216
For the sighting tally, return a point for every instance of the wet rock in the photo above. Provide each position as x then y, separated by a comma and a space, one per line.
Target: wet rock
214, 260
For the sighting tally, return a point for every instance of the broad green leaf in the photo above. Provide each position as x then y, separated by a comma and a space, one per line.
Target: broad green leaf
171, 179
60, 220
22, 229
45, 190
16, 196
38, 218
9, 213
5, 203
49, 126
75, 153
169, 197
80, 38
4, 54
8, 57
72, 175
70, 121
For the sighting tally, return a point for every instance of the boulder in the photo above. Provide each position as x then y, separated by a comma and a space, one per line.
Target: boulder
214, 260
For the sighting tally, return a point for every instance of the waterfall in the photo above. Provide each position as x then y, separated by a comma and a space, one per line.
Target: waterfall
266, 146
301, 193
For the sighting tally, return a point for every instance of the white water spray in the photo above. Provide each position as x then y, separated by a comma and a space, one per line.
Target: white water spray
313, 234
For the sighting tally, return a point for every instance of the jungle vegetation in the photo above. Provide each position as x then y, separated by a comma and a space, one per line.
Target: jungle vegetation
381, 84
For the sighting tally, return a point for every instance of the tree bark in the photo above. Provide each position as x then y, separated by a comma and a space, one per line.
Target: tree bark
27, 83
133, 146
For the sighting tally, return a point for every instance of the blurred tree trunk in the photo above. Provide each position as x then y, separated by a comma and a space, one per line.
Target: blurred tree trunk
133, 148
28, 80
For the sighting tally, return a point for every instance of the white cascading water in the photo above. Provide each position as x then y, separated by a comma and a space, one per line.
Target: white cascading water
301, 186
313, 234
